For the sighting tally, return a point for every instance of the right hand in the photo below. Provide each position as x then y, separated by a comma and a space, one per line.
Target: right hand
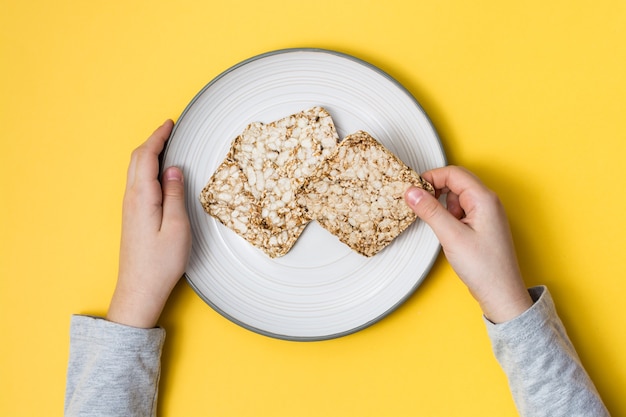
476, 239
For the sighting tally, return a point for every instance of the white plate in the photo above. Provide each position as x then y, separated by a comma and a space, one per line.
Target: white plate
320, 289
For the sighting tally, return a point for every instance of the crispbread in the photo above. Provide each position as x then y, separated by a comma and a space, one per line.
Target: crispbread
254, 191
226, 199
358, 194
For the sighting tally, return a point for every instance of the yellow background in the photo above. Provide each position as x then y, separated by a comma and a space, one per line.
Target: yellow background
530, 95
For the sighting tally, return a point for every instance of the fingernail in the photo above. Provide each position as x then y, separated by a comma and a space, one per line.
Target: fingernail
414, 195
173, 174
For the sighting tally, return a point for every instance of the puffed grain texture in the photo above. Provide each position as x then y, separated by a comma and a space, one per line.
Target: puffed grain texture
254, 190
358, 194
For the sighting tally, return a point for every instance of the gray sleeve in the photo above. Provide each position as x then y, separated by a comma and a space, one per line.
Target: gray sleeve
113, 369
544, 372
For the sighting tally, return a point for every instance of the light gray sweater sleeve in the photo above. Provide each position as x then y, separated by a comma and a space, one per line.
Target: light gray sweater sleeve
545, 375
113, 369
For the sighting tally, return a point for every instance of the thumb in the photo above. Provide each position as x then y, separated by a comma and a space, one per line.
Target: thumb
173, 195
433, 213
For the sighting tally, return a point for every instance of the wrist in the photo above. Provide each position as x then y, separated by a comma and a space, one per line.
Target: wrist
135, 309
507, 307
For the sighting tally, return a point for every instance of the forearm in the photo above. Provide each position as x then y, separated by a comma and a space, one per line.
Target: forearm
545, 374
113, 369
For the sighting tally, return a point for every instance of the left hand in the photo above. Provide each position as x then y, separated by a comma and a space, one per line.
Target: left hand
156, 236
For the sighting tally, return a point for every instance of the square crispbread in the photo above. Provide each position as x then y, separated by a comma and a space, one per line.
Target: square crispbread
254, 191
358, 194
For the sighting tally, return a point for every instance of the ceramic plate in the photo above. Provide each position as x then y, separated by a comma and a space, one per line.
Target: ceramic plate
321, 289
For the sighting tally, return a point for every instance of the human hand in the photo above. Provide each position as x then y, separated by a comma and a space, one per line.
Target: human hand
156, 236
476, 239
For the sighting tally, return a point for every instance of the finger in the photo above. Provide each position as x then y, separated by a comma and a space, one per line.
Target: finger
147, 155
174, 211
466, 189
452, 178
454, 206
144, 161
426, 207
